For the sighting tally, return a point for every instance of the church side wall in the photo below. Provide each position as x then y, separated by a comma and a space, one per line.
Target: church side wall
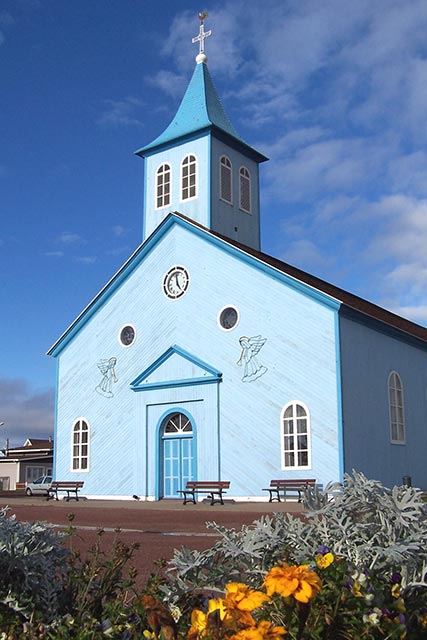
369, 355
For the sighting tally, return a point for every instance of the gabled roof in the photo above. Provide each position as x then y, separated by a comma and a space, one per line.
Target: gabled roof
200, 109
157, 376
308, 284
351, 301
39, 443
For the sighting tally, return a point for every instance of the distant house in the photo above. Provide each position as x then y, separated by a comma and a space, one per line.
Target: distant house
26, 463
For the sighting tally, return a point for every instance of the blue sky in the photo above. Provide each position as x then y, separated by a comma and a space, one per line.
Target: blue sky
333, 92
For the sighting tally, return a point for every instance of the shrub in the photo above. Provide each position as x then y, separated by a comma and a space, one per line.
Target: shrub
374, 535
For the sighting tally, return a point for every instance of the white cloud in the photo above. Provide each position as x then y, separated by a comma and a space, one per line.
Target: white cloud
54, 254
86, 259
119, 231
26, 412
306, 252
68, 238
121, 113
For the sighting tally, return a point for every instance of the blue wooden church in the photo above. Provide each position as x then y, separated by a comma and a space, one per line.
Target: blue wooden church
204, 358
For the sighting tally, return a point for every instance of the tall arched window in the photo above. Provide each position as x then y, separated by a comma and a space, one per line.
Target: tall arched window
296, 448
189, 177
396, 408
225, 182
80, 445
163, 186
244, 190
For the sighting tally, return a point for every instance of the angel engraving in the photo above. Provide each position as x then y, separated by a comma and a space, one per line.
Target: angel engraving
107, 368
252, 368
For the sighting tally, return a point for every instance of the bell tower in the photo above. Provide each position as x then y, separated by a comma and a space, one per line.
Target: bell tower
200, 167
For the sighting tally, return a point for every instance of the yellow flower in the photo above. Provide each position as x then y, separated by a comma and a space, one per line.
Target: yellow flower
240, 596
264, 631
150, 635
324, 560
217, 605
395, 590
355, 590
299, 582
199, 621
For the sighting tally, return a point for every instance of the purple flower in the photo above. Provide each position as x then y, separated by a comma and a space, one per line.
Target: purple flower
396, 578
323, 550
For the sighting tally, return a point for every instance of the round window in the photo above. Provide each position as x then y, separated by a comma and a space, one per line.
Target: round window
228, 318
127, 335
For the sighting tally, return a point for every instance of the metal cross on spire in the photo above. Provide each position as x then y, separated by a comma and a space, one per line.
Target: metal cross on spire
201, 57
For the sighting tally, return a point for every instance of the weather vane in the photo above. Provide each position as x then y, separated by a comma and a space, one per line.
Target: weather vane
201, 57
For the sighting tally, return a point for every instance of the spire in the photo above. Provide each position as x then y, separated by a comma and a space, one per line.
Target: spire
201, 57
200, 108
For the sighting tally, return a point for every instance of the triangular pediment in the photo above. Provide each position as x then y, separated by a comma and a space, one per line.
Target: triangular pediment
176, 368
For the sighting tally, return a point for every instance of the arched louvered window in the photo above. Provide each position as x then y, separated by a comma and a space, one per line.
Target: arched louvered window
189, 177
396, 408
244, 190
295, 425
225, 179
163, 186
80, 446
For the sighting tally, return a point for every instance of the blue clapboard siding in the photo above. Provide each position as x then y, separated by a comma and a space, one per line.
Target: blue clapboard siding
237, 423
227, 218
198, 208
369, 354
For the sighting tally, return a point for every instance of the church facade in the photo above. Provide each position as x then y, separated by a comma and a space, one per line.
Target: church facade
204, 358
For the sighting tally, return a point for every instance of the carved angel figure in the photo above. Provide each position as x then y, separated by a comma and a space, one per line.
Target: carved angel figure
252, 368
107, 368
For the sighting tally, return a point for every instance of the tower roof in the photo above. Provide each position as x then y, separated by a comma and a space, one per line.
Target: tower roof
200, 109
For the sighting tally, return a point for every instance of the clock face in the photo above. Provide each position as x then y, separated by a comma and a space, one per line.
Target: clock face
175, 282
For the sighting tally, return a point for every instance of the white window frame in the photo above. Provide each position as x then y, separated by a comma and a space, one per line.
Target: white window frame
295, 449
191, 163
245, 174
78, 455
396, 407
224, 166
160, 173
228, 306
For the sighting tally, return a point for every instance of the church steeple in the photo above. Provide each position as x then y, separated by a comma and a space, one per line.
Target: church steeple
200, 166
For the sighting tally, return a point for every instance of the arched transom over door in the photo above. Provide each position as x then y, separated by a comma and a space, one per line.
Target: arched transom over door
177, 454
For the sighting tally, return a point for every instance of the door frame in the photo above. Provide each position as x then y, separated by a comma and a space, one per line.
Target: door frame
159, 439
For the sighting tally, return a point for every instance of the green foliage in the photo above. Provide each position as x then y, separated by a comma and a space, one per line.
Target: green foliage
367, 543
372, 531
32, 566
369, 525
49, 591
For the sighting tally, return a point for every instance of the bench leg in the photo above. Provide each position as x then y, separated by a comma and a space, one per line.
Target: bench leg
191, 499
276, 497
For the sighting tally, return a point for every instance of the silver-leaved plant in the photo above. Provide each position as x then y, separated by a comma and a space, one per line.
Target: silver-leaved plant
372, 527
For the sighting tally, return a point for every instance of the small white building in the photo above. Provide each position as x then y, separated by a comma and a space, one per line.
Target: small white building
25, 464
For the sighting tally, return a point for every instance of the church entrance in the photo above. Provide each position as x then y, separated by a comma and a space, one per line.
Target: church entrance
177, 455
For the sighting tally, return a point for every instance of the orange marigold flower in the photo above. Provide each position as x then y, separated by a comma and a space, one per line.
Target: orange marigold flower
199, 622
324, 560
299, 582
264, 631
217, 604
240, 596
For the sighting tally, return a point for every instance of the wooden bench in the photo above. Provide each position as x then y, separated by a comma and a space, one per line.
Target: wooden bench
286, 487
211, 487
70, 486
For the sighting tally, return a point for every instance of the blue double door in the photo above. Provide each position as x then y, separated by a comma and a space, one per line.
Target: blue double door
178, 456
